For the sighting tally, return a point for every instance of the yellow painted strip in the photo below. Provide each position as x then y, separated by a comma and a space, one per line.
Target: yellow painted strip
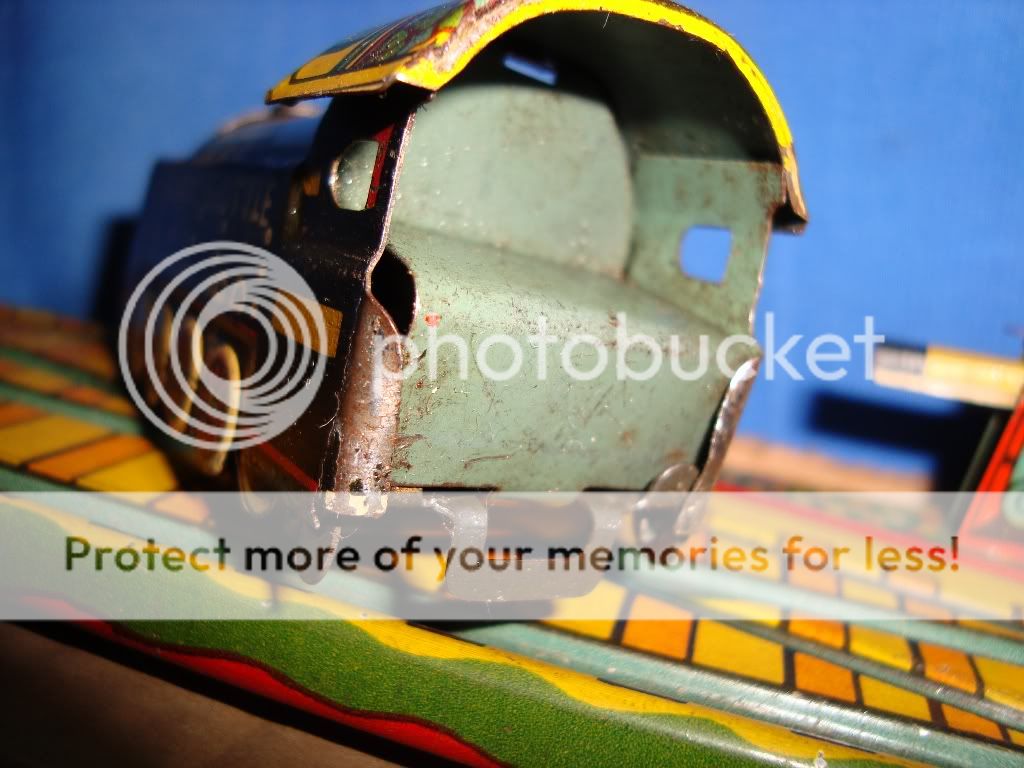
150, 472
89, 458
887, 648
985, 379
889, 698
591, 691
979, 591
744, 610
28, 440
605, 599
1016, 737
724, 647
432, 73
993, 628
1004, 683
355, 81
322, 64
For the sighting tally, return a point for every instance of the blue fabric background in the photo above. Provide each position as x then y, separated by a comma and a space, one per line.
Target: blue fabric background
909, 125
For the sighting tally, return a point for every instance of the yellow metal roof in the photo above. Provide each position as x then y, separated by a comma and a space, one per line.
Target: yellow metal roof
428, 49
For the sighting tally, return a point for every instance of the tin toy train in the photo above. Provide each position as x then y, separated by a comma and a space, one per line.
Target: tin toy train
480, 166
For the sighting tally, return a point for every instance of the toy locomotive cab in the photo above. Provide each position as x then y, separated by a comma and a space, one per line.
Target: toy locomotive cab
482, 168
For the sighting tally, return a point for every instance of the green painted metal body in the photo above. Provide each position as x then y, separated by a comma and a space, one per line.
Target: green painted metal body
519, 201
552, 172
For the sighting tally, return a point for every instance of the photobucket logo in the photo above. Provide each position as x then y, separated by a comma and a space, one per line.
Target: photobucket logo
183, 371
634, 356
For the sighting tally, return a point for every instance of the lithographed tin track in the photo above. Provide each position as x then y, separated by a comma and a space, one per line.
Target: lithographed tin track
480, 705
713, 692
834, 679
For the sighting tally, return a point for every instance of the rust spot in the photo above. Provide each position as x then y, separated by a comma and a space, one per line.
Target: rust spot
432, 319
367, 418
404, 441
674, 457
627, 437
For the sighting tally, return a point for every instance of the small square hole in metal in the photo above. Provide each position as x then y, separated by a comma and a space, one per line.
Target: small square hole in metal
704, 253
352, 174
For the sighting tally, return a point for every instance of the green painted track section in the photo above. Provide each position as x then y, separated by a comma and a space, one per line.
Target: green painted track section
813, 716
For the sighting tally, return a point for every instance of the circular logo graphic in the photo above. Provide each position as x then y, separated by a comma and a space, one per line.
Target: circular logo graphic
182, 370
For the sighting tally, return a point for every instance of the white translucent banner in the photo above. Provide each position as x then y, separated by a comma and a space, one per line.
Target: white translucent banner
481, 556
